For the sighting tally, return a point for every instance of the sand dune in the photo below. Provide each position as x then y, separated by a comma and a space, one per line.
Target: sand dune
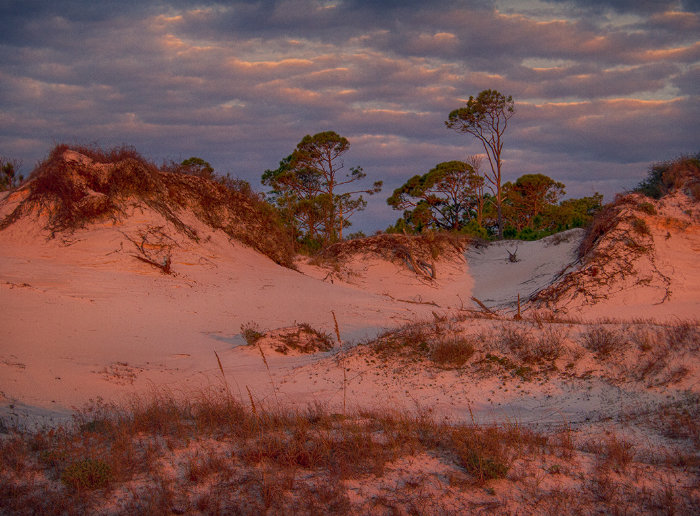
84, 314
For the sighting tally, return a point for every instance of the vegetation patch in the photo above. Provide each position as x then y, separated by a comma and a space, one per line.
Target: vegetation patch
300, 338
77, 186
87, 474
454, 352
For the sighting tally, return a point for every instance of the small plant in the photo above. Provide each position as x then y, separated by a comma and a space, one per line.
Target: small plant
305, 339
452, 353
532, 348
87, 474
483, 468
646, 207
603, 341
684, 334
618, 453
251, 333
640, 226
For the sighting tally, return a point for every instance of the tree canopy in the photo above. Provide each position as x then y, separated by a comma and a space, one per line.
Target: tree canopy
198, 167
446, 197
9, 177
486, 118
529, 197
311, 190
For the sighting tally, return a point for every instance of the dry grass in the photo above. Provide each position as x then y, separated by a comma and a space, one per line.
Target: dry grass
75, 194
251, 333
416, 253
531, 346
603, 341
300, 338
616, 253
454, 352
213, 455
649, 353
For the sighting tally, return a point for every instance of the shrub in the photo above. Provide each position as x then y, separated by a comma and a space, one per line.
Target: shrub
452, 353
483, 468
640, 226
305, 339
618, 453
87, 474
603, 341
604, 221
481, 453
684, 334
666, 176
251, 333
531, 348
647, 208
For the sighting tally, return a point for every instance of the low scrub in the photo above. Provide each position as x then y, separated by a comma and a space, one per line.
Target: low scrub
603, 341
77, 186
87, 474
531, 346
210, 453
453, 352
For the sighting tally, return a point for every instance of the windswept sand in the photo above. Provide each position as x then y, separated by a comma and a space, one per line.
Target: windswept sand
81, 318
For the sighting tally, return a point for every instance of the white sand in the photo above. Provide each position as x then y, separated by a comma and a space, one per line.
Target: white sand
81, 318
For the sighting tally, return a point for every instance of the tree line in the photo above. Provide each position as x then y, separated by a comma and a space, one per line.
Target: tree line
316, 195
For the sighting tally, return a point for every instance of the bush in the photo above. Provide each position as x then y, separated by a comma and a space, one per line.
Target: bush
603, 341
251, 333
530, 348
87, 474
75, 193
640, 226
604, 221
452, 353
667, 176
305, 339
647, 208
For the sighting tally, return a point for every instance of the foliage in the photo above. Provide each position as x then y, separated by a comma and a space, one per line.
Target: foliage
530, 207
486, 118
666, 176
530, 197
446, 197
9, 177
251, 333
197, 167
96, 185
308, 188
452, 353
87, 474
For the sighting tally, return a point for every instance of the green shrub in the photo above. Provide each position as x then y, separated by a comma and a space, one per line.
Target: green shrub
666, 176
640, 226
647, 207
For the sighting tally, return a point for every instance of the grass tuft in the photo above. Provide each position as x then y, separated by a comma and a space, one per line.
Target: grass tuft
87, 474
603, 341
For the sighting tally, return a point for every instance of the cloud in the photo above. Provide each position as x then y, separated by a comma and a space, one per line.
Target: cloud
240, 83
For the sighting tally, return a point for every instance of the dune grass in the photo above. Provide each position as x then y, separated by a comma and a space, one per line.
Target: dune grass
212, 453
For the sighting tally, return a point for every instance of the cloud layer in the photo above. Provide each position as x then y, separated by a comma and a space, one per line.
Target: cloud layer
601, 88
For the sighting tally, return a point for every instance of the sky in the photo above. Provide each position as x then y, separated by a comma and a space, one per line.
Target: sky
602, 88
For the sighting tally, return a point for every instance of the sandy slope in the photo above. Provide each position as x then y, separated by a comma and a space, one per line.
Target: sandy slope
498, 279
82, 318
